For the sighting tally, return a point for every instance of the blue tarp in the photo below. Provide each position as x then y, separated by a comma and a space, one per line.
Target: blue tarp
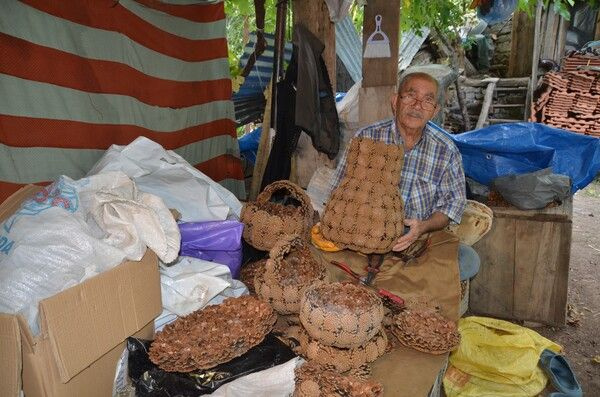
518, 148
249, 144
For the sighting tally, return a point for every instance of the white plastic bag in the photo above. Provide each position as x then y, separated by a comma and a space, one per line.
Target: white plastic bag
191, 283
167, 175
278, 381
73, 230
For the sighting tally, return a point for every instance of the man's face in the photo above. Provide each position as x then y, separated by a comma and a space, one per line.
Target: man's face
416, 103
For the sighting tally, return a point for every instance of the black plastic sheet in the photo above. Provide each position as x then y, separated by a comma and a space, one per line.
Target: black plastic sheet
151, 381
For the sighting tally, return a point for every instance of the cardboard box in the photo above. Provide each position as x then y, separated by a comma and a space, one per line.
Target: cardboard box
82, 329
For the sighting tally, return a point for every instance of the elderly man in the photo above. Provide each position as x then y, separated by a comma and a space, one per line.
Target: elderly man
432, 183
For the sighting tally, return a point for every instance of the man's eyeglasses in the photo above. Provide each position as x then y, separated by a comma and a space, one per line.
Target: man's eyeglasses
411, 99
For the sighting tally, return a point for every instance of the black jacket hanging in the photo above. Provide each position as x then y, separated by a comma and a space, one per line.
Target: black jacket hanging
305, 102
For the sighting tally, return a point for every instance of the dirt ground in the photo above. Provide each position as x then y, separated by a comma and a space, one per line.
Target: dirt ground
581, 336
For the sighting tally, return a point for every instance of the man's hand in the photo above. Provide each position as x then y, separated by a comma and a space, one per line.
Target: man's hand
416, 230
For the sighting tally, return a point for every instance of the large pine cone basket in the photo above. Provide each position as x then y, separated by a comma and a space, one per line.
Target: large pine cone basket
341, 314
289, 270
315, 380
365, 212
266, 222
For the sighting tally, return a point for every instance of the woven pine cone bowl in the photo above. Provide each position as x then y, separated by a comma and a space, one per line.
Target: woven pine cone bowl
343, 315
281, 209
289, 270
213, 335
426, 330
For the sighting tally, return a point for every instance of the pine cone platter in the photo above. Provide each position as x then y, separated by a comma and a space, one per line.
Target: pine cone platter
289, 270
213, 335
426, 330
314, 380
341, 314
365, 212
340, 359
281, 209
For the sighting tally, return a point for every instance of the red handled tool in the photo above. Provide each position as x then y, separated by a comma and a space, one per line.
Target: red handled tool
383, 293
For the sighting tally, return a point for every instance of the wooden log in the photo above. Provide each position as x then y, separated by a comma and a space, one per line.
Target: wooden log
264, 148
487, 101
507, 82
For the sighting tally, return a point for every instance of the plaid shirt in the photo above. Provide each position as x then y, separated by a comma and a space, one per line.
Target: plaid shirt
432, 178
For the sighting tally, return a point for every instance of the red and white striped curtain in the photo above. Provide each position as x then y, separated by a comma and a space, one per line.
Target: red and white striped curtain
77, 76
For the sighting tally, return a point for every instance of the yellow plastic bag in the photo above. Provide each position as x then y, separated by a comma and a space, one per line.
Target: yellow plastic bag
496, 358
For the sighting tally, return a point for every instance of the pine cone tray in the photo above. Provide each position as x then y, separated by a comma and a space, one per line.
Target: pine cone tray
213, 335
314, 380
266, 222
341, 314
426, 331
365, 212
340, 359
290, 269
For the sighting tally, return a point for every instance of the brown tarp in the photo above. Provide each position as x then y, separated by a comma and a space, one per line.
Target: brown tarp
407, 372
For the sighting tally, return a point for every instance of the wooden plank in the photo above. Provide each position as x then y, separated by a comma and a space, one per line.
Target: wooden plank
520, 59
542, 251
487, 101
374, 104
560, 213
535, 59
549, 32
314, 15
561, 40
491, 289
381, 71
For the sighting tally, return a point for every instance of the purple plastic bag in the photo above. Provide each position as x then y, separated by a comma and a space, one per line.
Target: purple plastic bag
216, 241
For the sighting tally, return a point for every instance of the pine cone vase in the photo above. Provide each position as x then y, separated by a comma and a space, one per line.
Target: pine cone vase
367, 195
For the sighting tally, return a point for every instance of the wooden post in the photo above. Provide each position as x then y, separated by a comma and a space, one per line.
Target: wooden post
264, 147
535, 58
487, 101
314, 15
522, 37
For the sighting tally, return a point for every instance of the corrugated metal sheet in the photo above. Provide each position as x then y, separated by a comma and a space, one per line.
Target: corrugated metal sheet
410, 42
249, 101
348, 46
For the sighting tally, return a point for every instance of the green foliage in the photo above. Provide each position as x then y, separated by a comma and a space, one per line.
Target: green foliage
239, 12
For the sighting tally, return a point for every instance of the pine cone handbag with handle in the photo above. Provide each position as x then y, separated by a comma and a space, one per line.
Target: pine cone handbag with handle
266, 221
365, 212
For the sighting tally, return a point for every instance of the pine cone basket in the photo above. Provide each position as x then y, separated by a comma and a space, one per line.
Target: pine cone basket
290, 269
314, 380
266, 222
249, 271
341, 314
213, 335
426, 331
340, 359
365, 212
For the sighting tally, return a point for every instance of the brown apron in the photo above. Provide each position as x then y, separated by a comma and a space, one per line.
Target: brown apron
407, 372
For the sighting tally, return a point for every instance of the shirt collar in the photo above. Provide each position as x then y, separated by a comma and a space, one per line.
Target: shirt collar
397, 138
